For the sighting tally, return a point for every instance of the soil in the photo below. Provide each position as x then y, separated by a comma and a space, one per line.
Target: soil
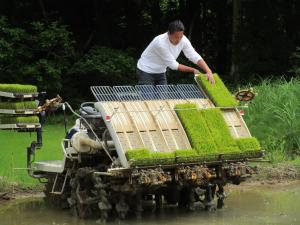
19, 193
275, 174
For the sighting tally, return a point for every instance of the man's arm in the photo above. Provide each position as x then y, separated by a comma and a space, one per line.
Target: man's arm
184, 68
194, 57
202, 64
172, 63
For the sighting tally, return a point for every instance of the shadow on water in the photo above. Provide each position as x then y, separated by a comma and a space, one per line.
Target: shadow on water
253, 205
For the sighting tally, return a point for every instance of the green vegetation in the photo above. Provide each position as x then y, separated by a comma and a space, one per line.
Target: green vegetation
19, 119
137, 154
186, 155
218, 92
19, 105
206, 129
50, 50
295, 62
246, 144
40, 53
101, 61
145, 157
274, 118
163, 157
13, 153
219, 130
209, 134
196, 128
18, 88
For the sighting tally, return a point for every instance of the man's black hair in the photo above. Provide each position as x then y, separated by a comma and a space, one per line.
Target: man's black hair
175, 26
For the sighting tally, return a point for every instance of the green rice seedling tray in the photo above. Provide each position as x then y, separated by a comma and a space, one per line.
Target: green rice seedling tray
19, 122
253, 154
183, 156
199, 158
18, 91
18, 105
18, 111
143, 157
218, 92
24, 107
20, 126
209, 126
18, 88
196, 128
248, 144
207, 130
219, 130
243, 155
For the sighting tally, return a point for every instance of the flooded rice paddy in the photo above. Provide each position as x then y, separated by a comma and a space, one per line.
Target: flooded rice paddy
272, 204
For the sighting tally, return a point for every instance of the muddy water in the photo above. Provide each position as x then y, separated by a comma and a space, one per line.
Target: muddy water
276, 204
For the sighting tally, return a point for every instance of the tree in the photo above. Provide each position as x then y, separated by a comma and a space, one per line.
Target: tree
40, 54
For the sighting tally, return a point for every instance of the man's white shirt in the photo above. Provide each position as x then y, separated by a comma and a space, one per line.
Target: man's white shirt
161, 53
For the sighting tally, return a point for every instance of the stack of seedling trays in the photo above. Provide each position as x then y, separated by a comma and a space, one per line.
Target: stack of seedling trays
18, 107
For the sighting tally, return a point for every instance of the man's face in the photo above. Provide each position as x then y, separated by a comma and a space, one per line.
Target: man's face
175, 37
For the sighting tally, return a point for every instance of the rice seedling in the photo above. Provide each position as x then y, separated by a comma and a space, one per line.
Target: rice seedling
18, 88
196, 128
218, 92
186, 155
209, 136
219, 130
18, 105
135, 154
248, 144
145, 157
185, 152
162, 157
19, 119
206, 129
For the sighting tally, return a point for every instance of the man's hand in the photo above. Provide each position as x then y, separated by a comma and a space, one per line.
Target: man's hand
196, 72
210, 77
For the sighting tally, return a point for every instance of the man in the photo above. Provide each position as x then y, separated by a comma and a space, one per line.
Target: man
163, 51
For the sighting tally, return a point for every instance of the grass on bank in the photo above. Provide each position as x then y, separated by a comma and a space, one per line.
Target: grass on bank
273, 116
13, 153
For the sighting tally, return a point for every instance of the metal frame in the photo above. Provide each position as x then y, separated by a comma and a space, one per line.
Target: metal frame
136, 105
18, 95
19, 111
147, 92
20, 126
